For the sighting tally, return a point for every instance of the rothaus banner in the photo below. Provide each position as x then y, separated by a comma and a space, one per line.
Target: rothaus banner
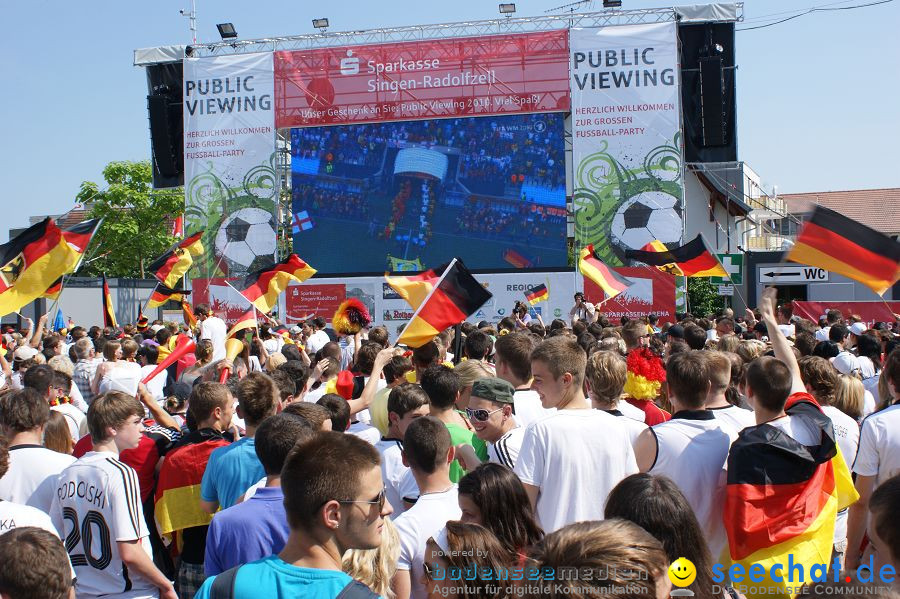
230, 182
496, 74
626, 137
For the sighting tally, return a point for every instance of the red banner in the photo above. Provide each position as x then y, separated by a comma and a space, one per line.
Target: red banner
497, 74
320, 300
653, 292
870, 312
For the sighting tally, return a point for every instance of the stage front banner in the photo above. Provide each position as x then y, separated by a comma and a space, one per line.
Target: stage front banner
496, 74
230, 181
626, 144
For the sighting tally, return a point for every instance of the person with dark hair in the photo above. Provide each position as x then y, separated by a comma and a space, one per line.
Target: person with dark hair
692, 447
465, 547
406, 403
657, 505
424, 356
878, 458
98, 499
339, 410
493, 496
805, 343
300, 373
286, 388
442, 386
581, 310
832, 317
428, 451
318, 417
257, 527
512, 362
232, 469
562, 485
477, 346
33, 469
319, 338
213, 328
695, 336
35, 565
344, 510
210, 408
884, 532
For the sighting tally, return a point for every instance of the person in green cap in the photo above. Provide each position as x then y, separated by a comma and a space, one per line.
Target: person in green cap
491, 413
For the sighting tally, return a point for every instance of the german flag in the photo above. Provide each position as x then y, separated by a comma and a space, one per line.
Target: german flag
693, 259
537, 294
611, 282
177, 496
162, 294
172, 265
109, 313
30, 264
246, 321
839, 244
79, 236
658, 246
264, 286
782, 497
414, 289
188, 314
456, 296
54, 289
517, 259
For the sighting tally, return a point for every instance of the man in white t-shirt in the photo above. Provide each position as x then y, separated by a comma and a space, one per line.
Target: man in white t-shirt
97, 507
213, 328
33, 469
692, 447
878, 458
490, 412
406, 403
319, 338
428, 452
570, 460
512, 363
15, 515
719, 369
605, 379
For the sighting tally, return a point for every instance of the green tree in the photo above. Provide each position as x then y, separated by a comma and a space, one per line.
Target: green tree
703, 296
136, 227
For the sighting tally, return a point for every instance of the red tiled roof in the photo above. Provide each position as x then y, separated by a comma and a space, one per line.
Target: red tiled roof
876, 208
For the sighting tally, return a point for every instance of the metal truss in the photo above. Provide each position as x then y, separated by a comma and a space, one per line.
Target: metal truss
441, 30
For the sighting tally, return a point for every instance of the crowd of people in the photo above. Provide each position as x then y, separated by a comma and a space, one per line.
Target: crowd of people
335, 200
514, 220
576, 459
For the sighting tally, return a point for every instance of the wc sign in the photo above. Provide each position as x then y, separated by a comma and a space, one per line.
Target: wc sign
775, 274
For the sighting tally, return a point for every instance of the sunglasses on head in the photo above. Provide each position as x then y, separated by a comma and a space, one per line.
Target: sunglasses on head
480, 415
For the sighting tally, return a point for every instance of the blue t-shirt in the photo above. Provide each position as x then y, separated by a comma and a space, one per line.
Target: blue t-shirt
231, 470
273, 578
247, 531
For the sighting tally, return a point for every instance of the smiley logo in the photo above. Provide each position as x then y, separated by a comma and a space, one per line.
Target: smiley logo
682, 572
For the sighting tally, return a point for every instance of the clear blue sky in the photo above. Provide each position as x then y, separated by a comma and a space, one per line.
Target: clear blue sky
818, 96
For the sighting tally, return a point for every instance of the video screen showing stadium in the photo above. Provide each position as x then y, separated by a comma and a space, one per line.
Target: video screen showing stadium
413, 194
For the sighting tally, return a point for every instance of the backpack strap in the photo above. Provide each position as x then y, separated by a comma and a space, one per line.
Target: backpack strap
356, 590
223, 584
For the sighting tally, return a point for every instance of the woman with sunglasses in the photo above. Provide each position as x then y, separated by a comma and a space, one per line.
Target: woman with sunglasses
493, 496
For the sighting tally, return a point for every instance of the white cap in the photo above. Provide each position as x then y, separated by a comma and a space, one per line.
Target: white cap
845, 363
858, 328
24, 353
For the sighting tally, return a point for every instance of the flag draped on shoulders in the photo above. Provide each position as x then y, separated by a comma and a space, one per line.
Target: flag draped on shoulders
455, 297
31, 262
839, 244
177, 496
263, 287
782, 497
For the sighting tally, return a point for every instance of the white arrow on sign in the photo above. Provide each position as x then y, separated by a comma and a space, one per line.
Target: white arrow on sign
791, 274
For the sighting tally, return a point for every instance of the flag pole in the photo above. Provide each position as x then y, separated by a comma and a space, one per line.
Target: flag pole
424, 301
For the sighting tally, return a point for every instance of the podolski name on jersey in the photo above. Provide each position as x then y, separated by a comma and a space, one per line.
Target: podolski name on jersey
89, 492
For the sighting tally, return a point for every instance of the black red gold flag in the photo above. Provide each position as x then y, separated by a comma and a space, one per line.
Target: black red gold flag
415, 288
109, 313
246, 321
172, 265
31, 262
537, 294
694, 259
456, 296
839, 244
592, 267
264, 286
162, 294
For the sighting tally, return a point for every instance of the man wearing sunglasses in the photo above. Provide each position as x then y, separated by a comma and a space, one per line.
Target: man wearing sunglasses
491, 413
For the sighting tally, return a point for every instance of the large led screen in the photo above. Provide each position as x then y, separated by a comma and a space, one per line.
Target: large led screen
406, 195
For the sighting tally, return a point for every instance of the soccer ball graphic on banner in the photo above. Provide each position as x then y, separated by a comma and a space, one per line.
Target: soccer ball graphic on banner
647, 216
245, 241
